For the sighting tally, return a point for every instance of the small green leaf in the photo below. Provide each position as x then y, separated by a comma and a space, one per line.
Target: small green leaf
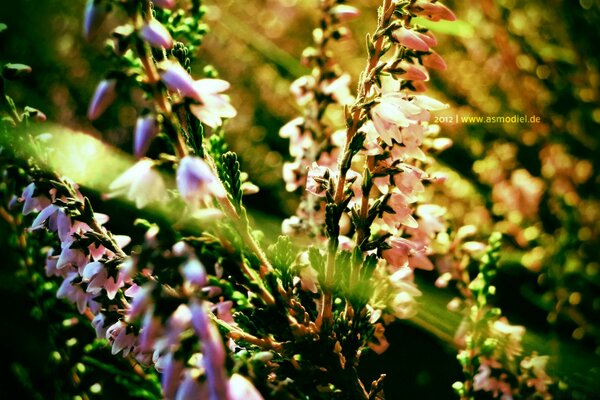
14, 71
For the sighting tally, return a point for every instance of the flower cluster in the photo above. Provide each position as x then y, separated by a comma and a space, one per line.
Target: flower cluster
364, 181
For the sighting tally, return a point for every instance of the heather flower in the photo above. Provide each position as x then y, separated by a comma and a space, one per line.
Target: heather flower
71, 255
119, 337
71, 289
164, 3
241, 388
196, 181
338, 89
410, 39
176, 78
391, 114
344, 12
214, 106
104, 96
140, 183
434, 61
146, 129
156, 34
93, 17
316, 179
191, 388
172, 370
433, 11
194, 272
31, 203
96, 276
213, 352
400, 213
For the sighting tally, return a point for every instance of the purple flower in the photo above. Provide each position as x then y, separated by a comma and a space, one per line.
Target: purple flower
93, 17
156, 35
213, 352
104, 96
146, 129
176, 78
196, 181
194, 272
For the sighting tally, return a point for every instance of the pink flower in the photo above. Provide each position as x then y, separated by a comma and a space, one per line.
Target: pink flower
402, 213
410, 39
71, 290
156, 35
391, 114
191, 388
338, 89
343, 12
164, 3
119, 337
196, 181
412, 72
104, 96
434, 61
32, 203
213, 352
98, 324
71, 255
433, 11
172, 370
96, 275
317, 179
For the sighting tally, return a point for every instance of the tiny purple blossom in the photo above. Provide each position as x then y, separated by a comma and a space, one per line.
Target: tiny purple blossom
194, 272
93, 17
176, 78
104, 96
146, 129
196, 181
156, 35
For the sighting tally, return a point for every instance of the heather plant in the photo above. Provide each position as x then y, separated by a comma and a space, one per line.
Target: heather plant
194, 291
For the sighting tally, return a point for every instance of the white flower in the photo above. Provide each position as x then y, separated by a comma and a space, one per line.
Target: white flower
140, 184
214, 106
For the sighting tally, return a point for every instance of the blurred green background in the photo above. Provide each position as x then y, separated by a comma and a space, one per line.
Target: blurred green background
536, 183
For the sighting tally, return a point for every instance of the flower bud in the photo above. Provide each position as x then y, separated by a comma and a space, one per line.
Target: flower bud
434, 61
93, 17
176, 78
146, 129
194, 272
156, 35
104, 96
410, 39
164, 3
343, 12
433, 11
